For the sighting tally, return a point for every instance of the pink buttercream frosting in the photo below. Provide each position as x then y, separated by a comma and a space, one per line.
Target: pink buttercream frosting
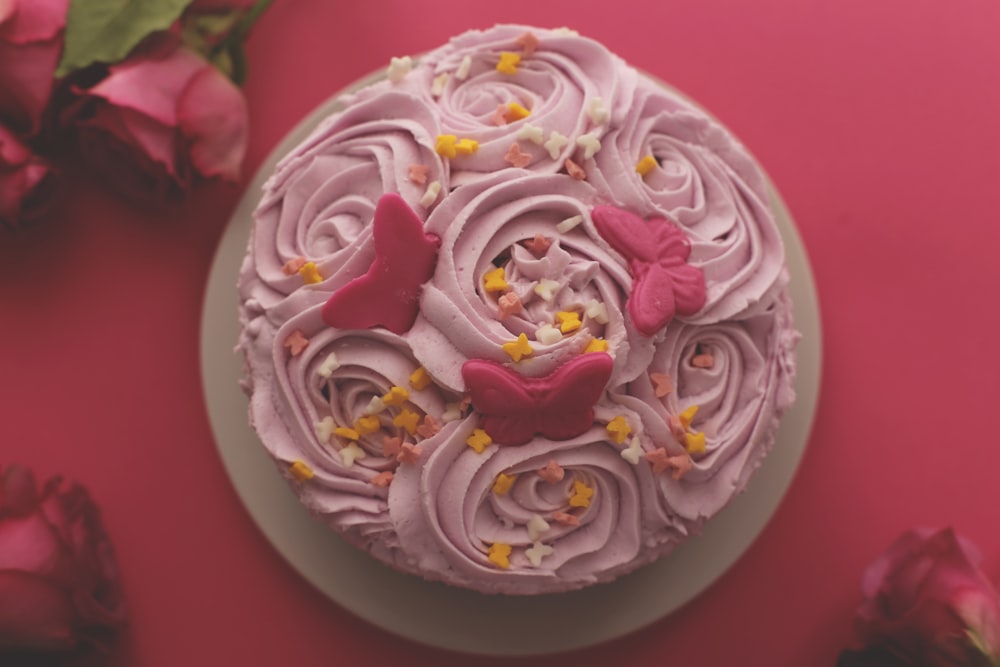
524, 286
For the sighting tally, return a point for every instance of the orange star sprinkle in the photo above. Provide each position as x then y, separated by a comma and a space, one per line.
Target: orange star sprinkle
300, 471
429, 428
515, 157
503, 483
694, 443
538, 245
659, 459
408, 453
292, 266
310, 274
366, 425
703, 361
646, 165
528, 43
383, 479
574, 170
494, 281
596, 345
619, 429
687, 416
566, 519
407, 419
681, 464
417, 173
420, 379
396, 396
479, 440
661, 384
582, 495
552, 473
508, 304
508, 62
499, 555
346, 433
296, 342
516, 112
391, 445
519, 348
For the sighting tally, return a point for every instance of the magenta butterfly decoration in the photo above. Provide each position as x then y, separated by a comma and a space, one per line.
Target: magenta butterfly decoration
513, 408
388, 294
664, 284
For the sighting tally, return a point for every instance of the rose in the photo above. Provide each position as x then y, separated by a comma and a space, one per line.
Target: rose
927, 602
25, 180
159, 122
58, 578
30, 45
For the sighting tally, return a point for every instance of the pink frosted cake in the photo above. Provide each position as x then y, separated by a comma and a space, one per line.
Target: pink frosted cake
516, 318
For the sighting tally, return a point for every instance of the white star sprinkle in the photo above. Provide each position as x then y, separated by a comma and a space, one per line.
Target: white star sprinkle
532, 133
536, 526
431, 195
597, 311
633, 453
463, 68
565, 32
597, 111
437, 86
375, 406
351, 453
569, 224
548, 334
452, 412
546, 288
537, 552
399, 68
590, 145
555, 144
329, 365
324, 429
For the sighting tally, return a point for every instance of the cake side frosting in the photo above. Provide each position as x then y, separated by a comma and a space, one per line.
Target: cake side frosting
516, 319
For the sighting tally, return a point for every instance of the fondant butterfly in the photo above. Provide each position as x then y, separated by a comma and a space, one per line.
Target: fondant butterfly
664, 284
514, 408
388, 294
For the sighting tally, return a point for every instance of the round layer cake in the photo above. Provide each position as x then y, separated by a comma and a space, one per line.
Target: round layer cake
516, 318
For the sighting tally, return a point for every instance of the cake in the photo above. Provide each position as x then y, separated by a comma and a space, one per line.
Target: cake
515, 318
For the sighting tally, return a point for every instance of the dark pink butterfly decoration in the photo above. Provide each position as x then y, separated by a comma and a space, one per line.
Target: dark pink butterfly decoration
513, 408
388, 294
664, 284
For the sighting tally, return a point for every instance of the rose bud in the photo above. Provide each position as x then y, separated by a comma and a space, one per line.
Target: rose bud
26, 181
58, 578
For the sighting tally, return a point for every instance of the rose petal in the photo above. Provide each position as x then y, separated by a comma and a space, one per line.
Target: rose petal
213, 115
18, 490
34, 613
28, 544
32, 20
26, 81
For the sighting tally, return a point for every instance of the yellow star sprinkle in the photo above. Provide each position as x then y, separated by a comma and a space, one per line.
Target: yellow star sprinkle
518, 348
493, 281
568, 321
407, 419
310, 274
396, 396
503, 484
366, 425
479, 440
596, 345
300, 471
646, 165
346, 433
508, 62
466, 146
619, 429
516, 112
694, 443
581, 495
445, 146
420, 379
500, 555
687, 416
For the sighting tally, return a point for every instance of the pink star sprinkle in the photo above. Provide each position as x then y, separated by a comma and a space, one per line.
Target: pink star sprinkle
681, 464
538, 245
391, 446
429, 428
509, 304
499, 117
528, 43
661, 384
658, 457
409, 453
676, 428
296, 342
383, 479
516, 157
575, 170
552, 472
566, 518
464, 404
292, 266
703, 361
418, 173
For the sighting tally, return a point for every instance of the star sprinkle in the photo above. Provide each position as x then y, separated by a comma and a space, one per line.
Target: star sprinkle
438, 84
568, 320
479, 440
555, 144
528, 43
633, 452
537, 526
597, 111
366, 425
417, 173
399, 68
548, 334
383, 479
407, 419
687, 416
499, 555
597, 311
565, 32
515, 157
516, 112
532, 133
569, 224
494, 281
429, 427
508, 62
503, 484
310, 274
463, 68
566, 519
375, 406
391, 446
395, 397
537, 552
646, 165
518, 349
452, 412
466, 146
430, 194
699, 361
552, 473
582, 495
596, 345
446, 145
499, 116
509, 304
324, 429
292, 266
329, 365
659, 459
351, 453
681, 465
300, 471
589, 143
694, 443
661, 384
346, 433
296, 342
408, 453
539, 245
420, 379
574, 170
618, 429
547, 288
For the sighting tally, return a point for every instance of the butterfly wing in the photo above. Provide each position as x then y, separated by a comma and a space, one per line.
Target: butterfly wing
624, 231
566, 405
502, 398
652, 304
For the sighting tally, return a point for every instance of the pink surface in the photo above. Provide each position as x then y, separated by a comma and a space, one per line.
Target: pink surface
877, 121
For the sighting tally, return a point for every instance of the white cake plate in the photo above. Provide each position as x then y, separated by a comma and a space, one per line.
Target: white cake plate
452, 618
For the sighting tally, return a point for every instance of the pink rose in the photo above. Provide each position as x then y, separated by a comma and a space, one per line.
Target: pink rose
30, 46
58, 579
159, 122
25, 180
927, 602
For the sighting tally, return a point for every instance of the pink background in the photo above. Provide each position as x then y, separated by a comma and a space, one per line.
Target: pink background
877, 120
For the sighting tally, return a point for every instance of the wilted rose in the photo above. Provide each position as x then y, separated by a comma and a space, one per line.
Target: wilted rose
927, 603
58, 578
26, 180
30, 45
160, 122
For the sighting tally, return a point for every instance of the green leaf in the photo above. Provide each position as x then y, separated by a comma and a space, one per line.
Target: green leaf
105, 31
